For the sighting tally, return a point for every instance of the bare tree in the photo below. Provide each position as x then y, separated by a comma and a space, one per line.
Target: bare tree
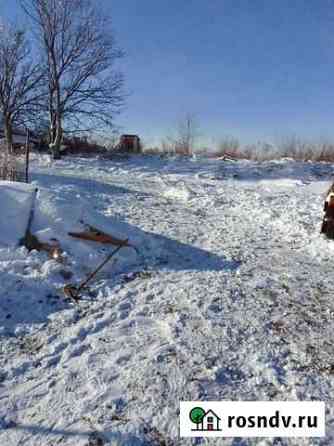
187, 133
20, 81
79, 50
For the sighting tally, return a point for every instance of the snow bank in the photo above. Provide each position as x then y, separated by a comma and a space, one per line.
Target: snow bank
16, 201
280, 183
54, 217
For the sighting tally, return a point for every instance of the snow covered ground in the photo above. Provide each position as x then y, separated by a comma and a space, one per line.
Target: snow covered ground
16, 203
231, 297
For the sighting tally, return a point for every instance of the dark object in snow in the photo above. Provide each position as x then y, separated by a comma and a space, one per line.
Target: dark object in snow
4, 424
96, 439
53, 249
73, 292
327, 227
31, 242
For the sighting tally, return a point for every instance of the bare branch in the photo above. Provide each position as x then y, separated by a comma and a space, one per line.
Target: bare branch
20, 80
79, 51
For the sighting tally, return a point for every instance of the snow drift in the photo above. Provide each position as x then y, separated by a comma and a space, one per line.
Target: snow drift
54, 218
16, 201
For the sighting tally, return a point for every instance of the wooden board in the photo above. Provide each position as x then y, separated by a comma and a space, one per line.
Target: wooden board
95, 235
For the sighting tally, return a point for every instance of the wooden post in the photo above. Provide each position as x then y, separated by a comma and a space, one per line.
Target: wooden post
27, 156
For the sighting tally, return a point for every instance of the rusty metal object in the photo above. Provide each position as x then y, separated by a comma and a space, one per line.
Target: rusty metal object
73, 292
95, 235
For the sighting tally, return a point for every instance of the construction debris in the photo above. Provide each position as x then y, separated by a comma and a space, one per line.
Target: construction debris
96, 235
73, 292
31, 242
327, 227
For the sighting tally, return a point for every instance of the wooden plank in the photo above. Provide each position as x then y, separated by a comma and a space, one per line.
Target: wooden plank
95, 235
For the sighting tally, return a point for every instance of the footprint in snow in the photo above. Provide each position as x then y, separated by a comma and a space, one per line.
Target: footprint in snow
228, 376
123, 360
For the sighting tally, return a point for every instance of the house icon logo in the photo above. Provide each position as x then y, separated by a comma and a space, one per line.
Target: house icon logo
204, 421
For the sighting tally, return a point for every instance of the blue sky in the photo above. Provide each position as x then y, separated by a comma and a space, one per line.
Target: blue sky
254, 69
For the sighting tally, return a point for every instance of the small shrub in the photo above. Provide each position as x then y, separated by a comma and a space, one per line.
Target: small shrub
290, 147
229, 147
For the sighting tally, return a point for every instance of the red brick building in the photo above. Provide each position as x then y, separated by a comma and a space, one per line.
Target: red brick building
130, 143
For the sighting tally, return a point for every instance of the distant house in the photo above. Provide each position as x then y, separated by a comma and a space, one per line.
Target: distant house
19, 136
130, 143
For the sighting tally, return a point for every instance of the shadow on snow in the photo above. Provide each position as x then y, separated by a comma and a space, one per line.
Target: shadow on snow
28, 299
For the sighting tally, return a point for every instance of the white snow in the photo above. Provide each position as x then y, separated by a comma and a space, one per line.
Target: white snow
177, 193
230, 298
57, 215
16, 201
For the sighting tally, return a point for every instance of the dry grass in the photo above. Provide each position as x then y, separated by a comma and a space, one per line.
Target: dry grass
291, 147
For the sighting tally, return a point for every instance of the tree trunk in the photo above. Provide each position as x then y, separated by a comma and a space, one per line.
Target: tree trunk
56, 128
9, 136
8, 169
56, 137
